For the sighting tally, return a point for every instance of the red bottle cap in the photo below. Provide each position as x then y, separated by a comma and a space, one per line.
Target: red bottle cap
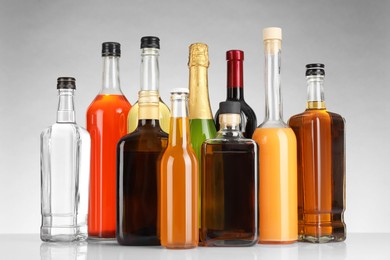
235, 60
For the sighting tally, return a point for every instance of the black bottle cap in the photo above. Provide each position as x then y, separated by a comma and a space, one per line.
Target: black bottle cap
66, 83
111, 49
150, 42
314, 69
230, 107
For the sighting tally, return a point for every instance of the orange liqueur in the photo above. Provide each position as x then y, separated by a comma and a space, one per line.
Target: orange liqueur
321, 165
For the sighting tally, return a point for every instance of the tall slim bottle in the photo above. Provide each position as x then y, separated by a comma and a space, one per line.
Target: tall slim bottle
150, 81
229, 184
278, 155
321, 165
202, 125
65, 157
179, 180
138, 161
107, 123
235, 92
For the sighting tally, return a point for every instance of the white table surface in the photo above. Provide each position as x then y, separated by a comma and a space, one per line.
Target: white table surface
357, 246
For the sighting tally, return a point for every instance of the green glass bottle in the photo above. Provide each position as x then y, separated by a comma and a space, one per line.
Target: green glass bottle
202, 125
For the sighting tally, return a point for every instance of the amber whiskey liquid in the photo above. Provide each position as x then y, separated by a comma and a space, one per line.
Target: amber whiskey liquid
321, 167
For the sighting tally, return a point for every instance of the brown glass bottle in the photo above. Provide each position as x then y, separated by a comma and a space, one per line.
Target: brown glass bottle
321, 165
229, 209
138, 160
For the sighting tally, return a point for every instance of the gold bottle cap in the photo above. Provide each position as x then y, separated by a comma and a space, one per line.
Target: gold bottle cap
148, 101
272, 33
199, 55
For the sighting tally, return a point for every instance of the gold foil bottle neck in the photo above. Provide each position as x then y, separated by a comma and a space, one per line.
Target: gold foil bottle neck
199, 55
148, 101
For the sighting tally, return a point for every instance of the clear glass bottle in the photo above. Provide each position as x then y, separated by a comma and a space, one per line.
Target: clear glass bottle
229, 184
179, 180
65, 160
106, 123
278, 155
202, 125
235, 92
321, 165
150, 81
138, 162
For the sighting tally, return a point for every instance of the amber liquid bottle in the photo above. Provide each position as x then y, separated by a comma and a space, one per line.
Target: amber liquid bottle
277, 156
321, 165
106, 123
138, 156
179, 180
235, 92
229, 184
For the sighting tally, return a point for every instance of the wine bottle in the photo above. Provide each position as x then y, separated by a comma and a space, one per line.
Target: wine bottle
65, 158
202, 125
106, 123
138, 155
150, 81
179, 180
235, 92
278, 155
229, 184
321, 165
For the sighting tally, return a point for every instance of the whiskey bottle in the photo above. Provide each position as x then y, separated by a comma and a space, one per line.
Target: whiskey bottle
229, 184
138, 162
321, 165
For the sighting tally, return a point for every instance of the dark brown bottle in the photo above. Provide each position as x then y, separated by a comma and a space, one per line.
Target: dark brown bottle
321, 165
229, 187
138, 160
235, 92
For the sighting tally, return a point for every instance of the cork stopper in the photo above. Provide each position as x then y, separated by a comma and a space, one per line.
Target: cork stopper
199, 55
272, 33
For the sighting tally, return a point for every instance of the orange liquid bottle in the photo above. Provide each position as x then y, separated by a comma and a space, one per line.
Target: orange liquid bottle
106, 123
277, 156
179, 181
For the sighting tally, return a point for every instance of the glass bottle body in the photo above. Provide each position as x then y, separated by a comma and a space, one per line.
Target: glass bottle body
321, 166
106, 123
229, 191
179, 182
65, 157
138, 157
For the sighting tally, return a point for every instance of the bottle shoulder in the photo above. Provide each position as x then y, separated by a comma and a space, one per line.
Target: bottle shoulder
317, 115
65, 129
149, 133
116, 103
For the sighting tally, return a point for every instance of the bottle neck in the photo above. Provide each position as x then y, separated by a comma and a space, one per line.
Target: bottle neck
111, 79
150, 73
148, 102
229, 125
65, 112
315, 92
179, 133
235, 94
199, 93
273, 97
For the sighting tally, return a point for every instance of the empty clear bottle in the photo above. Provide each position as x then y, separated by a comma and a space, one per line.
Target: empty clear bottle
65, 160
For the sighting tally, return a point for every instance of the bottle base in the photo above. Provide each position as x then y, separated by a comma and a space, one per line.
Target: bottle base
321, 239
289, 242
63, 234
323, 232
180, 246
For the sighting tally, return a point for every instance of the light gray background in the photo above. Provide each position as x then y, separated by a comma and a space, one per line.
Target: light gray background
41, 40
